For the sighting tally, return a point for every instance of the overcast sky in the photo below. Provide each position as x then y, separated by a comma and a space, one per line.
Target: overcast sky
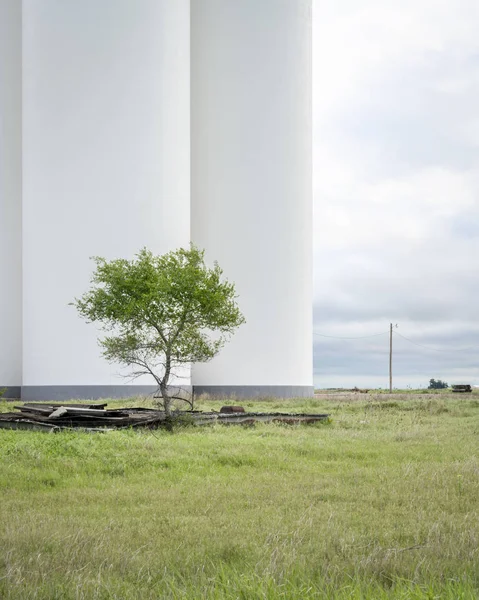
396, 190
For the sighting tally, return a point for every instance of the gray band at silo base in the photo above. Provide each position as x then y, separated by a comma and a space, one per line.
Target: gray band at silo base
255, 391
10, 391
56, 393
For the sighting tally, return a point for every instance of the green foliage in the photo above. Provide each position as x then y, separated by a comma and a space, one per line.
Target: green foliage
437, 385
161, 312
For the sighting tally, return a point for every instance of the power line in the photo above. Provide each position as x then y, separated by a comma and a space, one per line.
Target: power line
362, 337
434, 349
420, 345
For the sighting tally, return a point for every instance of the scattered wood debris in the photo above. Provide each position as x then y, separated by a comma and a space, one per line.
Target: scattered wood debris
96, 417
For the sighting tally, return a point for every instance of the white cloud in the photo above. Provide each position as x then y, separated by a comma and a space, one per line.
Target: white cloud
356, 43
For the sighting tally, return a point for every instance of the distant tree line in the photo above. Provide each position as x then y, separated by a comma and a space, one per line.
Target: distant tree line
437, 384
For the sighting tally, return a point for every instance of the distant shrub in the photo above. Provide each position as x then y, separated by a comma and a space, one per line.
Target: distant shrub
437, 385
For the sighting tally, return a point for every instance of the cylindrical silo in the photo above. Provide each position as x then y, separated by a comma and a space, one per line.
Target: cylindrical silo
106, 168
11, 196
251, 185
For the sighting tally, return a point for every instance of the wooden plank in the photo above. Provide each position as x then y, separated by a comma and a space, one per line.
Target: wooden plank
59, 412
270, 417
44, 410
24, 424
66, 404
74, 411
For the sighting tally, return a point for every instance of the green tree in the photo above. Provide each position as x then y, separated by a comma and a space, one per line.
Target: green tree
437, 385
161, 312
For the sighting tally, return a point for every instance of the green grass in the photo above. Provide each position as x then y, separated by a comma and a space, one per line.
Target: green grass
382, 502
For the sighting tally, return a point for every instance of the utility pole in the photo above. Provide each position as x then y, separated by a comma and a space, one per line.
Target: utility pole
390, 358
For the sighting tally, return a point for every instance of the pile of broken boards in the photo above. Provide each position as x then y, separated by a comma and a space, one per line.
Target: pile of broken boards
68, 416
95, 417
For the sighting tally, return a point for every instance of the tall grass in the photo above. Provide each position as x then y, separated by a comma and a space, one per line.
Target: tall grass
382, 502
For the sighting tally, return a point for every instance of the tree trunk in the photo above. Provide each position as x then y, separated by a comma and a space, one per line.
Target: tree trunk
166, 399
164, 386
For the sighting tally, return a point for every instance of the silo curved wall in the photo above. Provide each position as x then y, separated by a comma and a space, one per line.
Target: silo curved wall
11, 197
105, 168
251, 196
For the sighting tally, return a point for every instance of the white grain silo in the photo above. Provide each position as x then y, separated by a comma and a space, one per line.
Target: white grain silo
251, 204
11, 196
106, 164
95, 156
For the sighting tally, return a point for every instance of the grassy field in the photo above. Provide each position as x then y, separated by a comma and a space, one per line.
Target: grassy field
382, 502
